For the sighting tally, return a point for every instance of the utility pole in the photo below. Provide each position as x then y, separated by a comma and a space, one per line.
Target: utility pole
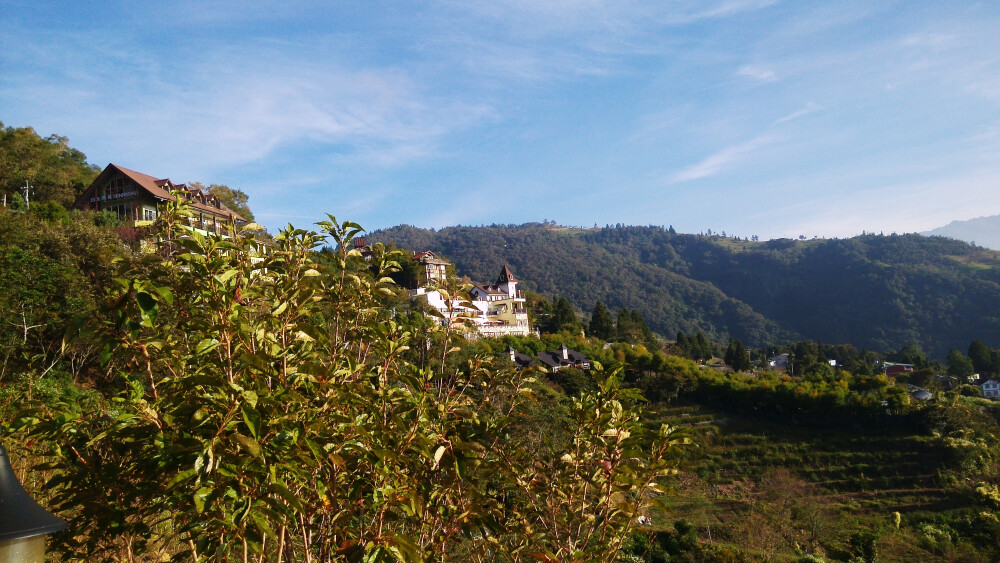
26, 189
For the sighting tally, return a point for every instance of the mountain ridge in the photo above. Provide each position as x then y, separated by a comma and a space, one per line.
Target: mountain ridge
983, 231
872, 291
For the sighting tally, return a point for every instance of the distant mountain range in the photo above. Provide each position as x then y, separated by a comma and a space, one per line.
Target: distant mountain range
984, 231
872, 291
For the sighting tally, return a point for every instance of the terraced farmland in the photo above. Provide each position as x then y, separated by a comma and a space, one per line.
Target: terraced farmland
774, 490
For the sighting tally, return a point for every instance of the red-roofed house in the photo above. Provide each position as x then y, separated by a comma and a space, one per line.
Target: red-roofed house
434, 268
138, 198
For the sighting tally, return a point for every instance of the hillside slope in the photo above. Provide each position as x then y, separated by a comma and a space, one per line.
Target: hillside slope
876, 292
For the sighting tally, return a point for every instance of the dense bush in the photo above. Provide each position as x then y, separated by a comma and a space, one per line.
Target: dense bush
271, 409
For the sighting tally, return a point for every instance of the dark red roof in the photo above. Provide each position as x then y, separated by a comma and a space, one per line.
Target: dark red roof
160, 188
490, 289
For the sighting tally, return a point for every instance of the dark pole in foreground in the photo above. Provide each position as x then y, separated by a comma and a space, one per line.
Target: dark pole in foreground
23, 523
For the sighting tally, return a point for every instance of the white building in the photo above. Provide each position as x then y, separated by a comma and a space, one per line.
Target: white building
494, 310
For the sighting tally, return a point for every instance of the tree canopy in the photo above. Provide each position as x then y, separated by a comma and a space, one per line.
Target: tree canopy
602, 325
57, 172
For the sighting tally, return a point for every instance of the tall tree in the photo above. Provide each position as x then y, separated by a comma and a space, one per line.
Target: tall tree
563, 317
683, 344
602, 325
737, 356
701, 348
234, 199
911, 354
984, 359
632, 328
959, 365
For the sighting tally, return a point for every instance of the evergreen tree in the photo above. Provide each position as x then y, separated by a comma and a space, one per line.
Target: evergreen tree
702, 349
737, 356
563, 317
730, 357
632, 328
602, 325
959, 365
741, 358
984, 360
684, 344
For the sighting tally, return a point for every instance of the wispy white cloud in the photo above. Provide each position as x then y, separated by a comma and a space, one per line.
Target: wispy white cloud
931, 40
552, 40
721, 160
240, 109
727, 9
810, 107
756, 72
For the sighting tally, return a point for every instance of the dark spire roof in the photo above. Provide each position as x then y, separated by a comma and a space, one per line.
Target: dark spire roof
506, 276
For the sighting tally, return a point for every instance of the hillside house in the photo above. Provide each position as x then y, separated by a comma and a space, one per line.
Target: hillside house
991, 388
893, 370
361, 245
434, 268
564, 358
519, 359
779, 362
138, 199
495, 310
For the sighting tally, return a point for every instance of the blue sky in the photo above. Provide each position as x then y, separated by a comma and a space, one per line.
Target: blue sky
746, 116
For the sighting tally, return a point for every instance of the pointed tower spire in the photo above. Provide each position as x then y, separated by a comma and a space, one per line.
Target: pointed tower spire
505, 276
507, 282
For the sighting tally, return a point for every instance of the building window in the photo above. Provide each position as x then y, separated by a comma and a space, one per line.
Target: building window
120, 209
149, 214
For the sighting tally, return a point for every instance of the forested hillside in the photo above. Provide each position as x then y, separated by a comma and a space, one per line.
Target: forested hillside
873, 291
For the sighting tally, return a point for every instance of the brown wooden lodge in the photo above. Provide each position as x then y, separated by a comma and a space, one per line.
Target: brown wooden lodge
138, 199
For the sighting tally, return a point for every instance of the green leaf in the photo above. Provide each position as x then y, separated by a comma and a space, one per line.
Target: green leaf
225, 276
247, 443
182, 476
206, 345
240, 510
199, 498
286, 494
164, 292
251, 397
252, 419
279, 308
146, 301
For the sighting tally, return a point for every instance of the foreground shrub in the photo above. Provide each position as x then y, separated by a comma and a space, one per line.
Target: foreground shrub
270, 412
